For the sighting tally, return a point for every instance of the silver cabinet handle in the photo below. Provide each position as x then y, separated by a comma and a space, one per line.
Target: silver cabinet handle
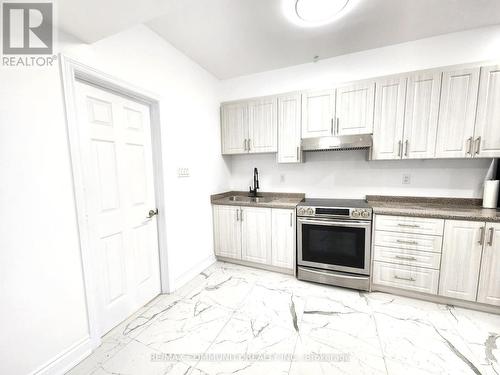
469, 146
245, 144
404, 278
478, 145
481, 237
152, 213
241, 214
407, 242
405, 258
331, 127
249, 143
298, 153
338, 126
406, 148
492, 232
291, 219
409, 225
400, 147
237, 214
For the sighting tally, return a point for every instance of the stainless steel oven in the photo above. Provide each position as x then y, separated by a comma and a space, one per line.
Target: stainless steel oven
334, 241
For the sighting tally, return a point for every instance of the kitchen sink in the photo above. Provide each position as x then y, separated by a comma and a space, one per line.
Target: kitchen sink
239, 198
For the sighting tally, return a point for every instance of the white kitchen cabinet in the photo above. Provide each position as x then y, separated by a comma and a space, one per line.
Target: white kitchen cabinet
234, 128
262, 125
318, 111
461, 259
289, 129
227, 231
487, 131
256, 234
489, 280
457, 113
283, 238
390, 95
354, 109
421, 115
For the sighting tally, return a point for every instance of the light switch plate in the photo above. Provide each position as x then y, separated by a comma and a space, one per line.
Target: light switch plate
183, 172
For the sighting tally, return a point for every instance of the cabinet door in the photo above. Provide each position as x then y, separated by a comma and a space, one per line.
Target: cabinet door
489, 279
227, 231
421, 115
318, 110
487, 141
262, 125
461, 259
457, 113
256, 234
355, 109
390, 97
234, 128
289, 116
283, 238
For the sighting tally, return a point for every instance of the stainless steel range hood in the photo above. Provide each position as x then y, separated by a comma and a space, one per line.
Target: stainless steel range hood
338, 143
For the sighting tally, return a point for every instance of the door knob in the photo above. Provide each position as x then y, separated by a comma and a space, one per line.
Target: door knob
152, 213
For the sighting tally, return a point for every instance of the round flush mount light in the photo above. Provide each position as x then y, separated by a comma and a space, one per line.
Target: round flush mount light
313, 13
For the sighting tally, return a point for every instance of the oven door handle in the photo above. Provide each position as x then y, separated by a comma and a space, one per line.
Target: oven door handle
333, 223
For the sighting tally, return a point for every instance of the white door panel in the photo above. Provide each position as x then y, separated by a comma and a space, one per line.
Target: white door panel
227, 231
289, 118
234, 128
489, 281
262, 125
355, 109
283, 238
256, 234
119, 180
318, 110
457, 113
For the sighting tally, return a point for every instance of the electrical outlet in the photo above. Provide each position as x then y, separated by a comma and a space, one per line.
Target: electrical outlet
282, 178
406, 179
182, 172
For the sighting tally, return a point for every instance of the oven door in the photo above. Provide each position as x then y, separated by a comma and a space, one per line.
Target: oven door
342, 245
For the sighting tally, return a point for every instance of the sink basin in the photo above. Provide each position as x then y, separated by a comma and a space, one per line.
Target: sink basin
239, 198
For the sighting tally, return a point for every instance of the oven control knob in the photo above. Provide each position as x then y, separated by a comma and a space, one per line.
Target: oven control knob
365, 214
310, 211
301, 211
355, 213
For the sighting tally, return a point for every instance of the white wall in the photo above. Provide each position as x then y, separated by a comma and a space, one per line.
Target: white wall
43, 313
348, 174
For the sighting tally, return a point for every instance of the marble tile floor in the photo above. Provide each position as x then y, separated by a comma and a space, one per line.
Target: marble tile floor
232, 319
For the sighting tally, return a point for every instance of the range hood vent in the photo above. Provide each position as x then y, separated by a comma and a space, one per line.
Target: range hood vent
339, 143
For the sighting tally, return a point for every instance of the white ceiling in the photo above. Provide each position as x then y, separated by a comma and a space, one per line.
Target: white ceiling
236, 37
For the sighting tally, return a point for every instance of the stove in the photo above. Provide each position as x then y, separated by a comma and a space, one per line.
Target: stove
334, 242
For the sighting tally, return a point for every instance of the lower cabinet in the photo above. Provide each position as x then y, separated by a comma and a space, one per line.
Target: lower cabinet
255, 234
461, 259
461, 262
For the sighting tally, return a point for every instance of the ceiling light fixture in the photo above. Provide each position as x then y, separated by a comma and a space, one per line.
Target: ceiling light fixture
313, 13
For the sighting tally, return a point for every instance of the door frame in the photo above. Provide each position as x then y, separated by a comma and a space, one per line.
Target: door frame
71, 71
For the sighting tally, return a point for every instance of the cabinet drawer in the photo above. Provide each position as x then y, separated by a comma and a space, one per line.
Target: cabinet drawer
420, 242
407, 257
405, 277
405, 224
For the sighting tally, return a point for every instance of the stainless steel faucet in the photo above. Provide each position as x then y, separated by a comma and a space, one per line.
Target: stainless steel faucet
253, 192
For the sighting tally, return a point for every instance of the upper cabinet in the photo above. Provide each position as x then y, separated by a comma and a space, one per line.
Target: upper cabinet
421, 115
389, 118
262, 125
234, 128
457, 113
355, 109
487, 132
318, 111
249, 126
289, 119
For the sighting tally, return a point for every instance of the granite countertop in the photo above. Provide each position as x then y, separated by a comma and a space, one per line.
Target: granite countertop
442, 208
266, 199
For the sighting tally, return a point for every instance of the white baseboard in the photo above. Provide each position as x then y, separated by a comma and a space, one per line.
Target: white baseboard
192, 272
66, 360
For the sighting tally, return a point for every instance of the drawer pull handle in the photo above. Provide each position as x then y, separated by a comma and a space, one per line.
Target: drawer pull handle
404, 278
408, 242
409, 225
405, 258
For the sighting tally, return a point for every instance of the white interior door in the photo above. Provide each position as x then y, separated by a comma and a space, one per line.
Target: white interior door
118, 172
